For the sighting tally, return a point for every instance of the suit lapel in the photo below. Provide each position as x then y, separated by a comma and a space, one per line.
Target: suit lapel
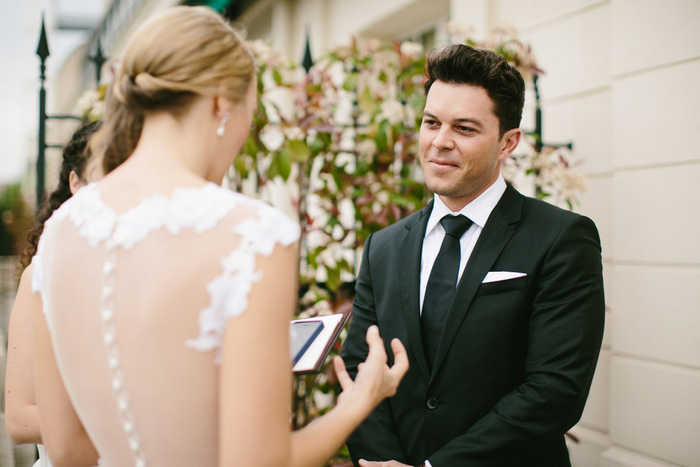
408, 252
494, 237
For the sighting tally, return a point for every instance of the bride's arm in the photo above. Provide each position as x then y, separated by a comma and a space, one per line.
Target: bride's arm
374, 381
21, 412
63, 434
256, 380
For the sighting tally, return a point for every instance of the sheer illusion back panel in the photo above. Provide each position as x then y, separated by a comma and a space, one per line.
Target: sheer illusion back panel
161, 284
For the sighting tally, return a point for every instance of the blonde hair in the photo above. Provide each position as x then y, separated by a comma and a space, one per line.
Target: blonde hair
170, 59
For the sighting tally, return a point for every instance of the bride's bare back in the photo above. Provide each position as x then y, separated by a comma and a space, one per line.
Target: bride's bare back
137, 302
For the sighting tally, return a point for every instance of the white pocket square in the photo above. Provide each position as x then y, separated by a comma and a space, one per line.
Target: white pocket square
496, 276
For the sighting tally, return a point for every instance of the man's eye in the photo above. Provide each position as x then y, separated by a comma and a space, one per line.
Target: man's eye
466, 129
430, 122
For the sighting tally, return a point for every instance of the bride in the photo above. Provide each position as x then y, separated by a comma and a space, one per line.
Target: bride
164, 335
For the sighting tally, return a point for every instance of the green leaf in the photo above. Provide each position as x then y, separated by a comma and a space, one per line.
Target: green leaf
333, 281
350, 83
277, 76
317, 145
250, 147
240, 165
365, 101
284, 163
299, 150
381, 137
274, 169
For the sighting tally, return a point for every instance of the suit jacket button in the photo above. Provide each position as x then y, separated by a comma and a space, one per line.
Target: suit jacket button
432, 403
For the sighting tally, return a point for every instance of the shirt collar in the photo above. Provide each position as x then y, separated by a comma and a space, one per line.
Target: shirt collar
478, 210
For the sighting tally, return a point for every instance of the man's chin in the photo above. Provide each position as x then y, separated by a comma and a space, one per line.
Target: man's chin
442, 189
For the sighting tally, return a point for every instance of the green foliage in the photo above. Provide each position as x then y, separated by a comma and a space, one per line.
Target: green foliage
15, 220
346, 137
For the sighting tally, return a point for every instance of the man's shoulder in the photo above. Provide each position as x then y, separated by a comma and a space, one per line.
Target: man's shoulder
400, 226
542, 216
543, 209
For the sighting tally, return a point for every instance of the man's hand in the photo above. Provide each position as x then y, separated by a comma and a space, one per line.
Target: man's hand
364, 463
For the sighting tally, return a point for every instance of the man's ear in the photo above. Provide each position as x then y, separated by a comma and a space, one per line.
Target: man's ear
509, 142
74, 182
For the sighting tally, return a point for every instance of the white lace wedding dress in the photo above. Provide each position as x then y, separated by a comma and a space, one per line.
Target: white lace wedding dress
136, 303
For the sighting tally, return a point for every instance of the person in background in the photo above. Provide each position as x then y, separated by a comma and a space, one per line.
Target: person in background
163, 335
497, 297
21, 411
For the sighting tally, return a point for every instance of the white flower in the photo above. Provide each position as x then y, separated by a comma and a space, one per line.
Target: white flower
87, 101
393, 111
98, 110
294, 132
330, 255
322, 308
366, 147
260, 50
411, 50
572, 185
272, 137
310, 297
337, 74
323, 401
369, 46
347, 160
293, 75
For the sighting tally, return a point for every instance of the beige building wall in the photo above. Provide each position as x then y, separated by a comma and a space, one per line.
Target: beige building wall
621, 83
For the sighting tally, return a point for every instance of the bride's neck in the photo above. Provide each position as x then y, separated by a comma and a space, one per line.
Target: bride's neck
170, 145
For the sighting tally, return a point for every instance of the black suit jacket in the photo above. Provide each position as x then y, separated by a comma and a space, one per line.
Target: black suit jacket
516, 357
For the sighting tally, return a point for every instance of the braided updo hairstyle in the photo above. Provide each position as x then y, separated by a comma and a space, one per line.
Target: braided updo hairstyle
74, 159
171, 59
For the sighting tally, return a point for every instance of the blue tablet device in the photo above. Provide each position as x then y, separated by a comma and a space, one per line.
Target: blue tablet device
302, 335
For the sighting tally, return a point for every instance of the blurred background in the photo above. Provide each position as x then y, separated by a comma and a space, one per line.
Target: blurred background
620, 84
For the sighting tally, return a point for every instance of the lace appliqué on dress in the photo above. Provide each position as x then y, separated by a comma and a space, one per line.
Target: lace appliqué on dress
229, 291
181, 211
94, 220
198, 209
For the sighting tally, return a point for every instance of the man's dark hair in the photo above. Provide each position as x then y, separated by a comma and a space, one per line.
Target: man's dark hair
462, 64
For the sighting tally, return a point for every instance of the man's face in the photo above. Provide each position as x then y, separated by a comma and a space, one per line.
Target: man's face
460, 147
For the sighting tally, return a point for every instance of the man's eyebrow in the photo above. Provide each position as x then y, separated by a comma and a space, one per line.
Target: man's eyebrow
456, 120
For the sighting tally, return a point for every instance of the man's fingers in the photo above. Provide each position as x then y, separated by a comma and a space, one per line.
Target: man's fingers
342, 373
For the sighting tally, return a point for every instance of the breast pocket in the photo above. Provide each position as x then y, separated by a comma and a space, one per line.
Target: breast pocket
508, 285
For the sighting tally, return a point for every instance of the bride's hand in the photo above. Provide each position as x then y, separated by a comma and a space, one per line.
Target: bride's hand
375, 380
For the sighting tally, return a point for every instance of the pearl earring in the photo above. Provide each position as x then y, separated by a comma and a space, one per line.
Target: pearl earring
222, 126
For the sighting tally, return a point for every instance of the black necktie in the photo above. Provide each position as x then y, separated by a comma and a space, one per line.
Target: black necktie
442, 283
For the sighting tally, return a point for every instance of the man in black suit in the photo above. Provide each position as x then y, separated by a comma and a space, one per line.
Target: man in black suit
502, 316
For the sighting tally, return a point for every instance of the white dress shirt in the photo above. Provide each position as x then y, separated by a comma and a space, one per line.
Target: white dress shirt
478, 211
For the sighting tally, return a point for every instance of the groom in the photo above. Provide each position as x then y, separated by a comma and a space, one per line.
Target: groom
497, 297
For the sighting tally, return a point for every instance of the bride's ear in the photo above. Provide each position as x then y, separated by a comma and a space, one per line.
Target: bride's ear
74, 182
221, 106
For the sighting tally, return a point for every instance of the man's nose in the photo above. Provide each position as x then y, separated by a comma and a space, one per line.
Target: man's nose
444, 139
